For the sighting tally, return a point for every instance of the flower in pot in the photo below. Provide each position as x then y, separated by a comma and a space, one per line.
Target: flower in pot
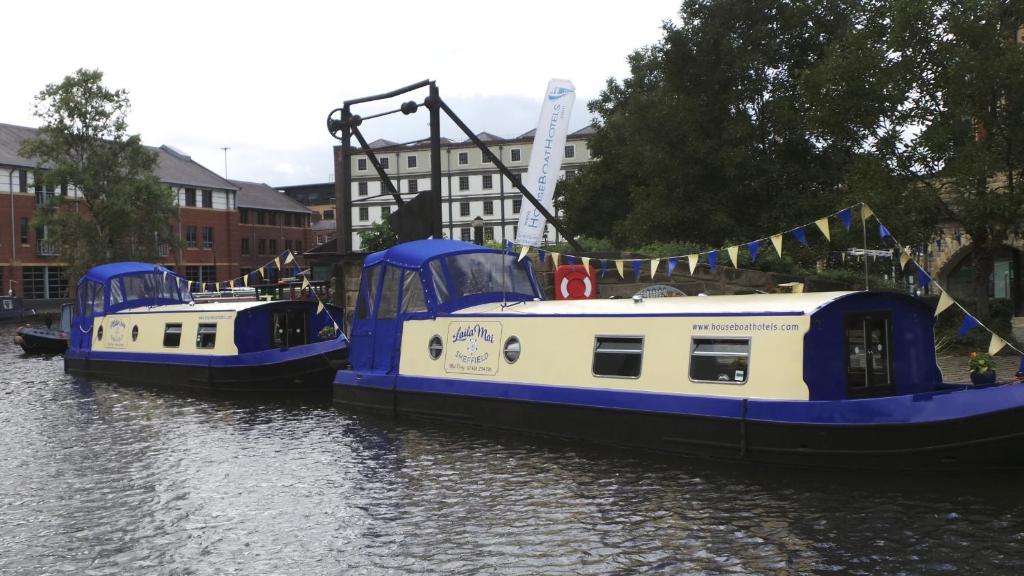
981, 368
327, 333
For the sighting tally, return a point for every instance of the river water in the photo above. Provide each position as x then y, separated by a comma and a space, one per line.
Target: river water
100, 478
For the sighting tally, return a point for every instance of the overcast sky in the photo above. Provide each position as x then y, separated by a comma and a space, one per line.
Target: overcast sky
261, 77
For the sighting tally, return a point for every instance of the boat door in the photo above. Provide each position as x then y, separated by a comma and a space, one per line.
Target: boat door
869, 360
386, 325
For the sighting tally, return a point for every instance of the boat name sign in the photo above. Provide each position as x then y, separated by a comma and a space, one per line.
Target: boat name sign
473, 348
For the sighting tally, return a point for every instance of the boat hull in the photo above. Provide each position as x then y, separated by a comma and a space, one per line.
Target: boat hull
40, 340
735, 429
306, 369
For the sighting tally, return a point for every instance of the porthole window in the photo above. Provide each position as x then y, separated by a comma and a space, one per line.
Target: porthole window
435, 347
99, 333
512, 349
135, 333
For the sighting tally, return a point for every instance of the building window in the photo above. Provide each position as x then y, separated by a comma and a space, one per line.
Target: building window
517, 205
516, 155
207, 237
245, 246
484, 157
273, 245
722, 360
463, 208
261, 217
384, 163
288, 245
410, 161
190, 196
22, 180
364, 213
618, 356
570, 151
570, 175
298, 245
207, 198
488, 207
261, 246
287, 219
328, 214
489, 233
385, 211
488, 181
463, 183
190, 236
364, 188
272, 218
414, 186
24, 231
243, 216
206, 336
466, 234
361, 164
463, 158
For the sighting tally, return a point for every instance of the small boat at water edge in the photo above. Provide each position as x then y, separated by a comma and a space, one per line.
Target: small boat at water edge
139, 322
454, 331
46, 339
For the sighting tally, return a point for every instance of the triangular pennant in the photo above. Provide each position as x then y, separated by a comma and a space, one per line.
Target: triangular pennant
846, 216
800, 236
245, 279
319, 306
883, 231
904, 258
777, 242
586, 264
923, 279
554, 259
734, 255
570, 260
541, 255
969, 323
289, 258
523, 252
604, 267
996, 345
335, 327
865, 212
619, 266
823, 226
305, 283
752, 247
654, 267
692, 259
263, 273
231, 283
636, 270
277, 262
945, 301
712, 260
672, 263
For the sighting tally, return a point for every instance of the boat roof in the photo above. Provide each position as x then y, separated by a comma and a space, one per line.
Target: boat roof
226, 306
416, 253
731, 305
105, 272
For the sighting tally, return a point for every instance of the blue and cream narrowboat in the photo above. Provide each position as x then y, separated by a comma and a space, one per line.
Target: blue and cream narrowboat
450, 330
139, 322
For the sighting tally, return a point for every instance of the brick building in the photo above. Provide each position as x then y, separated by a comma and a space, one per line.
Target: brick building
31, 265
270, 222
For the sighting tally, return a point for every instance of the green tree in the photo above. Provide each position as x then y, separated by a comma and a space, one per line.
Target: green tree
83, 144
708, 139
378, 237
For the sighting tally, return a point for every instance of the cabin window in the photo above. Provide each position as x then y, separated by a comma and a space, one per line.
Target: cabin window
116, 294
172, 335
488, 272
618, 356
206, 336
722, 360
388, 307
440, 287
412, 293
97, 300
368, 295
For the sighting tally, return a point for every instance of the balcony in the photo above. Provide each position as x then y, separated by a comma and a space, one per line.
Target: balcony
47, 247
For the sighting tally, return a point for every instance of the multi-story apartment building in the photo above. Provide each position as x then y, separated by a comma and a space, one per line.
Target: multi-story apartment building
31, 265
471, 186
270, 222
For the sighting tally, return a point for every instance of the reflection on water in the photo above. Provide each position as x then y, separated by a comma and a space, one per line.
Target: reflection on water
99, 478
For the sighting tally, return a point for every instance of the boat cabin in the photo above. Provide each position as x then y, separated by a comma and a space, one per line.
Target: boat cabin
453, 316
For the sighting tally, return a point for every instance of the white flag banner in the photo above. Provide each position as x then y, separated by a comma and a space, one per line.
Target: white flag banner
546, 160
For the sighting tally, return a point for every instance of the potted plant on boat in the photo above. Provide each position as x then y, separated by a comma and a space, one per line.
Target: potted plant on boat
981, 368
327, 333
